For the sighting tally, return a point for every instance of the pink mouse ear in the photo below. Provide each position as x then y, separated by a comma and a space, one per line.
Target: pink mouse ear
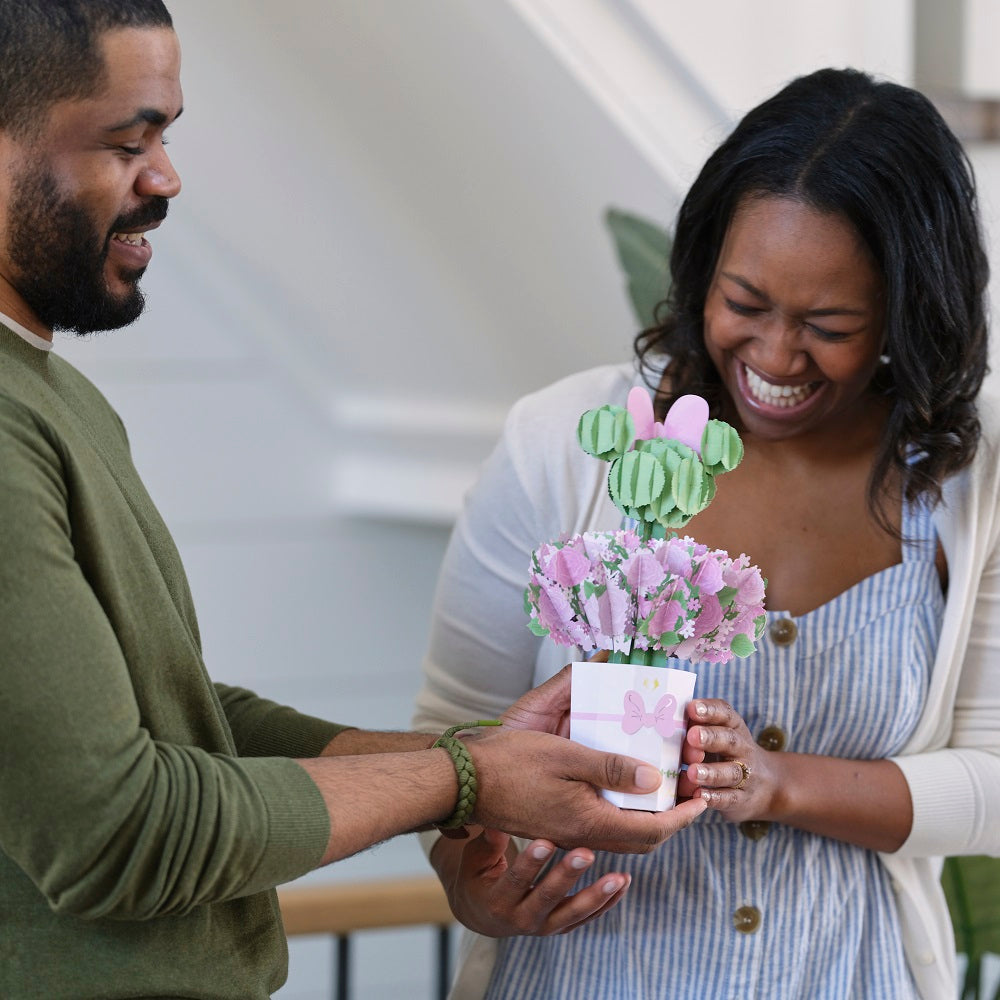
640, 408
685, 421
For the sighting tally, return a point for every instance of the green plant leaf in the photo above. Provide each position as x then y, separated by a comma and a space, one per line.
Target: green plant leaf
644, 252
972, 888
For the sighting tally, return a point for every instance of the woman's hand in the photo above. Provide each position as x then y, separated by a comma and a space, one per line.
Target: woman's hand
497, 892
861, 802
726, 767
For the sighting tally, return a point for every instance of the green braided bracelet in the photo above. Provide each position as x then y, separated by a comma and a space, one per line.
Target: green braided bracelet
468, 786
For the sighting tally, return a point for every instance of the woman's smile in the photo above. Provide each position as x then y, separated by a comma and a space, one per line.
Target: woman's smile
794, 319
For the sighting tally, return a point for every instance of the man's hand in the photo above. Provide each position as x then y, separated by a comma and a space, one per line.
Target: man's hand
540, 785
545, 708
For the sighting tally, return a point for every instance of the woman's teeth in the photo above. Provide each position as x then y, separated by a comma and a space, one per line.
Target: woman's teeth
776, 395
134, 238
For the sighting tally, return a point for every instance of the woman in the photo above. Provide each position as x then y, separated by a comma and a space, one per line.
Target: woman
828, 300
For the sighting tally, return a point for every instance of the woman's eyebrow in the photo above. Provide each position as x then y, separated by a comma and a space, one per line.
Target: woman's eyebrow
827, 311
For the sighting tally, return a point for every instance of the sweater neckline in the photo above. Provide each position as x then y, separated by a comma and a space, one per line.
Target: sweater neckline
40, 343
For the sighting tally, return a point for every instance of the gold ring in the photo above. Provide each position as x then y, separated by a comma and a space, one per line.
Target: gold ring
745, 768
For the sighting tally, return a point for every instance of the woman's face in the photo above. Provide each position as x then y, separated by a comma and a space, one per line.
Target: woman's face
794, 318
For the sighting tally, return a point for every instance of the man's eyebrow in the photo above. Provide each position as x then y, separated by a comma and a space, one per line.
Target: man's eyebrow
144, 116
834, 311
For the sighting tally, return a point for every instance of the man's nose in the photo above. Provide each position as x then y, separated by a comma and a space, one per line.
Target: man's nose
158, 177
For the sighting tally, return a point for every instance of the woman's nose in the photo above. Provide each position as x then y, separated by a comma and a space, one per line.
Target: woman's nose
779, 350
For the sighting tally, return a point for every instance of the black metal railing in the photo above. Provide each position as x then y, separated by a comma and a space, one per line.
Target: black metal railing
342, 910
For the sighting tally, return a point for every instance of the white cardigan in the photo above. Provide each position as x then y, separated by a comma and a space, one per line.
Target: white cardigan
539, 483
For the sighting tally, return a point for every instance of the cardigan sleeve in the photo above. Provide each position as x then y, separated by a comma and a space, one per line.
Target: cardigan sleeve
955, 782
104, 819
537, 485
481, 654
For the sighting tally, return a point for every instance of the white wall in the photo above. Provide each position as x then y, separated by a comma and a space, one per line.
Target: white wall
390, 229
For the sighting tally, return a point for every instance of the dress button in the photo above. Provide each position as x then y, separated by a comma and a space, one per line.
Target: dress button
755, 829
783, 631
772, 738
746, 919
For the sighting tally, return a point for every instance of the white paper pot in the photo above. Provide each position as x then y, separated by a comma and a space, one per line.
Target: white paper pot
636, 710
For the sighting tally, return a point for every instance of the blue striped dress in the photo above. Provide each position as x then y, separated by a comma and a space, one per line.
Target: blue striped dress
760, 910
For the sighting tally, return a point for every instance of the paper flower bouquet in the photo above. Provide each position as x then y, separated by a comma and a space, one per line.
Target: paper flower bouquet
644, 593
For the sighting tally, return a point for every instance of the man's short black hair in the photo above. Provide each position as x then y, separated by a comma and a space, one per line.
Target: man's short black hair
50, 51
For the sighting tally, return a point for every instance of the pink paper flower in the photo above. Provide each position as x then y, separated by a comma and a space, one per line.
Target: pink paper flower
567, 566
610, 590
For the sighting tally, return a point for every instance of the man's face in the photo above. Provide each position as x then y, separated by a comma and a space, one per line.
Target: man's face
79, 194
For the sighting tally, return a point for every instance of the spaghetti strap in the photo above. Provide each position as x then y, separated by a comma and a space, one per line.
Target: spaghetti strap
920, 539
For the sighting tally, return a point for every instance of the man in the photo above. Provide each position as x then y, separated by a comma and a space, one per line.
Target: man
145, 813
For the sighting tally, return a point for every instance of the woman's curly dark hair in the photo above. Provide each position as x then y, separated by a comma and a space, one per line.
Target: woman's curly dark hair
879, 155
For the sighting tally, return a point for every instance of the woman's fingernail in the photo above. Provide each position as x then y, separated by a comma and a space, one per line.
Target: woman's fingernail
647, 777
703, 736
579, 863
701, 708
701, 773
612, 885
541, 852
706, 797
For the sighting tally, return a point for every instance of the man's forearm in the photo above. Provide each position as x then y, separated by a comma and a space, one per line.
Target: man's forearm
364, 741
374, 795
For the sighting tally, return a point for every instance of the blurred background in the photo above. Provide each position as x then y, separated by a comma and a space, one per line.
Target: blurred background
392, 227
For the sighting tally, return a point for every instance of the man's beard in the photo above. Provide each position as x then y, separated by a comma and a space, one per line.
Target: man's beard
59, 258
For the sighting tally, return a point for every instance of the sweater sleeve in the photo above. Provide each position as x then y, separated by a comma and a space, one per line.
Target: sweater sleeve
104, 819
263, 728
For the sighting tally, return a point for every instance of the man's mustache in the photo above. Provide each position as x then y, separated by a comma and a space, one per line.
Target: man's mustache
155, 210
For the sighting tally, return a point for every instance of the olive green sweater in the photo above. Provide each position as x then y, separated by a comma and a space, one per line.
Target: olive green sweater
145, 812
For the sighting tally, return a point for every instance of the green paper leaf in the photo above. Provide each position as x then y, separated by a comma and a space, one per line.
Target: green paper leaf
668, 510
726, 596
687, 484
607, 432
540, 630
636, 480
721, 447
741, 645
710, 488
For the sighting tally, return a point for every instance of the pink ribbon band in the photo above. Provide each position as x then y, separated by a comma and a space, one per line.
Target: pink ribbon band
636, 717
